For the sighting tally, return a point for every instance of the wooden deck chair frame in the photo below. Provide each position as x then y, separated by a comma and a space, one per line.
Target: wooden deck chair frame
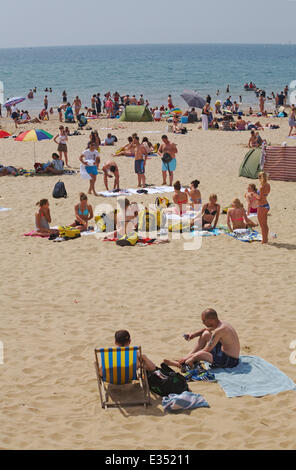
141, 377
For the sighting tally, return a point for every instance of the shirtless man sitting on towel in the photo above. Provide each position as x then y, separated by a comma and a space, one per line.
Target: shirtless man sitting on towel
217, 344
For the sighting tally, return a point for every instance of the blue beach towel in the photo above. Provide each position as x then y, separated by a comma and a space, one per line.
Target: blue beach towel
184, 401
253, 376
206, 233
245, 235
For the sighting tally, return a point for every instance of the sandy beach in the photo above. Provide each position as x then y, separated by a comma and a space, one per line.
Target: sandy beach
58, 301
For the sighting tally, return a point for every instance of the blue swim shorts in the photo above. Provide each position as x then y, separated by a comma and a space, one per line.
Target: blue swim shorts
220, 359
92, 170
171, 166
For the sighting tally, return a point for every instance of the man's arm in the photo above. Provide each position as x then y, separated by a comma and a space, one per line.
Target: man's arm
216, 336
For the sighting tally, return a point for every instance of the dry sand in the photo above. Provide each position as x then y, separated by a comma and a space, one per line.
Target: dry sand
60, 300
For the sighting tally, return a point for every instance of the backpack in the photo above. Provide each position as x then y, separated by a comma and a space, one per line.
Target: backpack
164, 381
59, 190
150, 221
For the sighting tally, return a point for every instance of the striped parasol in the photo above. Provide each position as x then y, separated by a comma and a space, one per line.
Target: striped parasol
13, 101
34, 135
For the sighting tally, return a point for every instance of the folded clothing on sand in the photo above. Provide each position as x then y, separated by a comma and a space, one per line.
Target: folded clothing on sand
253, 376
183, 401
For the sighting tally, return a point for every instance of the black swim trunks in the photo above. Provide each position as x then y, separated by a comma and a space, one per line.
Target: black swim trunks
220, 359
139, 167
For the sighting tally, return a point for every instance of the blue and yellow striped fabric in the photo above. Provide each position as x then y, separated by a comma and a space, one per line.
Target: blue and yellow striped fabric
119, 365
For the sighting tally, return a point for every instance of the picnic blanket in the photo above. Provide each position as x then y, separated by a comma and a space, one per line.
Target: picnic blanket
253, 376
133, 191
184, 401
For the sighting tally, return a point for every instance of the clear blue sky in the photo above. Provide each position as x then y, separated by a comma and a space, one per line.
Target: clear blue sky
78, 22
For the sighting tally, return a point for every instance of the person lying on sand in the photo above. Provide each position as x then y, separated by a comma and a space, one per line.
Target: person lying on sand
9, 170
218, 344
123, 340
237, 217
112, 167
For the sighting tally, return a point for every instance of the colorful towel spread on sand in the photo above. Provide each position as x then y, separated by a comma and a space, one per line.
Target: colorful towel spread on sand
253, 376
132, 191
206, 233
185, 401
35, 234
245, 235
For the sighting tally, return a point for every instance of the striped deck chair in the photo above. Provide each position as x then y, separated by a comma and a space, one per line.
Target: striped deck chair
119, 367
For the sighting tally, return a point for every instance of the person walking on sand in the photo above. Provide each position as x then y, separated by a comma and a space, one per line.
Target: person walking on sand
170, 149
170, 103
261, 103
61, 140
218, 344
91, 159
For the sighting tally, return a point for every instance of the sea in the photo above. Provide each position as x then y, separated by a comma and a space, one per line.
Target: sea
152, 70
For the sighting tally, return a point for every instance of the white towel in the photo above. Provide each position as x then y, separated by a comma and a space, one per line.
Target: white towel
83, 172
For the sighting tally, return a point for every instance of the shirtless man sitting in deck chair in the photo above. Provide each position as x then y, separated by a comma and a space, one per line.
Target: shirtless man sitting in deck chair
218, 344
123, 340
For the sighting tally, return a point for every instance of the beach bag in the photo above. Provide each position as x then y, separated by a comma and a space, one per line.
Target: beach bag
165, 380
59, 190
166, 158
106, 222
150, 221
179, 227
69, 232
128, 240
162, 202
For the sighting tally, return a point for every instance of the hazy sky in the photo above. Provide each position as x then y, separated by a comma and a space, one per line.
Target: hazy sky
72, 22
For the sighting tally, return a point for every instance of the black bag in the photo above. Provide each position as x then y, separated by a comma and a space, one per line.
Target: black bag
59, 190
164, 381
166, 158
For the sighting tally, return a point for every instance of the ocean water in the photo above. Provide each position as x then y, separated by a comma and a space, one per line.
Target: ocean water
153, 70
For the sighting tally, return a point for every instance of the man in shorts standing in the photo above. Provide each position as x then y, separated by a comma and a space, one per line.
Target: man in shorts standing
171, 149
140, 162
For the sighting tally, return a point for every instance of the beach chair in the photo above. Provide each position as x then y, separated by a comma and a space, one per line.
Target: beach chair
119, 367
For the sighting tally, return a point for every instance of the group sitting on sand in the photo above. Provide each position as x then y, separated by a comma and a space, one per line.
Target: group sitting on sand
218, 344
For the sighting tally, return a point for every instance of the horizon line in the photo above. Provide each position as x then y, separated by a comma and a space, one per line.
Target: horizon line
156, 44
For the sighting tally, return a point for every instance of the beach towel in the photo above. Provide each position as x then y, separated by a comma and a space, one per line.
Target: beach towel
245, 235
4, 209
253, 376
185, 401
205, 233
36, 234
133, 191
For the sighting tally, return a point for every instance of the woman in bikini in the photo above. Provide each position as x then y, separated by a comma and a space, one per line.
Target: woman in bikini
263, 206
252, 201
210, 213
83, 213
194, 193
180, 200
237, 217
43, 218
